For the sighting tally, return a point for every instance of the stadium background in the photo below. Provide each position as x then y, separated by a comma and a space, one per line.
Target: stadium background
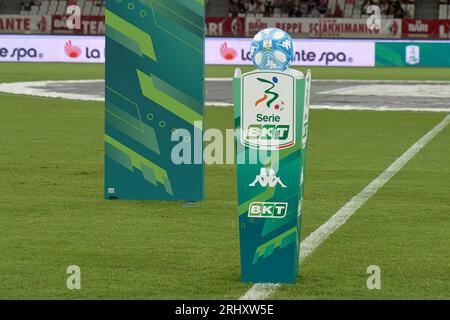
53, 215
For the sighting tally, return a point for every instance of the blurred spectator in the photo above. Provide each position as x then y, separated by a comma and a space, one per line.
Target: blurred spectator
322, 7
407, 15
298, 12
234, 8
314, 8
269, 8
338, 13
312, 11
286, 7
26, 5
397, 10
251, 7
384, 7
364, 7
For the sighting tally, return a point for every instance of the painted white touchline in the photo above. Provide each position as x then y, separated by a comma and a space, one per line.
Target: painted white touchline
218, 104
351, 108
349, 80
315, 239
378, 108
394, 90
383, 81
219, 79
37, 89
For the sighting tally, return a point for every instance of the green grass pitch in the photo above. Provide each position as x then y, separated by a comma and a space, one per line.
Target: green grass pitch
52, 212
10, 72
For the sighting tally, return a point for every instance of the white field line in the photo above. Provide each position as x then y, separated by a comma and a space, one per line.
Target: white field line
350, 107
315, 239
394, 90
378, 108
37, 89
219, 79
349, 80
314, 80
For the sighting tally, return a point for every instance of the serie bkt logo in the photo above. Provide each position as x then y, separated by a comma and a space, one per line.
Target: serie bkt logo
275, 210
270, 95
268, 113
412, 55
268, 132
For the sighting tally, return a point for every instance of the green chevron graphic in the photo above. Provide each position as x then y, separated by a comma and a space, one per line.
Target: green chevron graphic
280, 241
133, 34
120, 120
188, 27
166, 101
141, 163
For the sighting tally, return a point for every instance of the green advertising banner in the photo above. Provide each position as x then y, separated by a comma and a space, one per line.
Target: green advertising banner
412, 54
154, 89
271, 118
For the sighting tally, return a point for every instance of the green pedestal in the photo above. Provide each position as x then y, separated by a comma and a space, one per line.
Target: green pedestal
154, 89
271, 115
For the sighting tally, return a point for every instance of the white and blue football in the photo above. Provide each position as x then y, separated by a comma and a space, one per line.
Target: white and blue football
272, 49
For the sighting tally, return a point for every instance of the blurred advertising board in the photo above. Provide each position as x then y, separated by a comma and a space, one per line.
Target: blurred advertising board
426, 29
412, 54
90, 25
309, 52
236, 51
225, 27
231, 51
22, 24
326, 27
48, 48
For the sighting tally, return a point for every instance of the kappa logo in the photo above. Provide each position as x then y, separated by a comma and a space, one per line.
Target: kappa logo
275, 210
286, 44
267, 177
